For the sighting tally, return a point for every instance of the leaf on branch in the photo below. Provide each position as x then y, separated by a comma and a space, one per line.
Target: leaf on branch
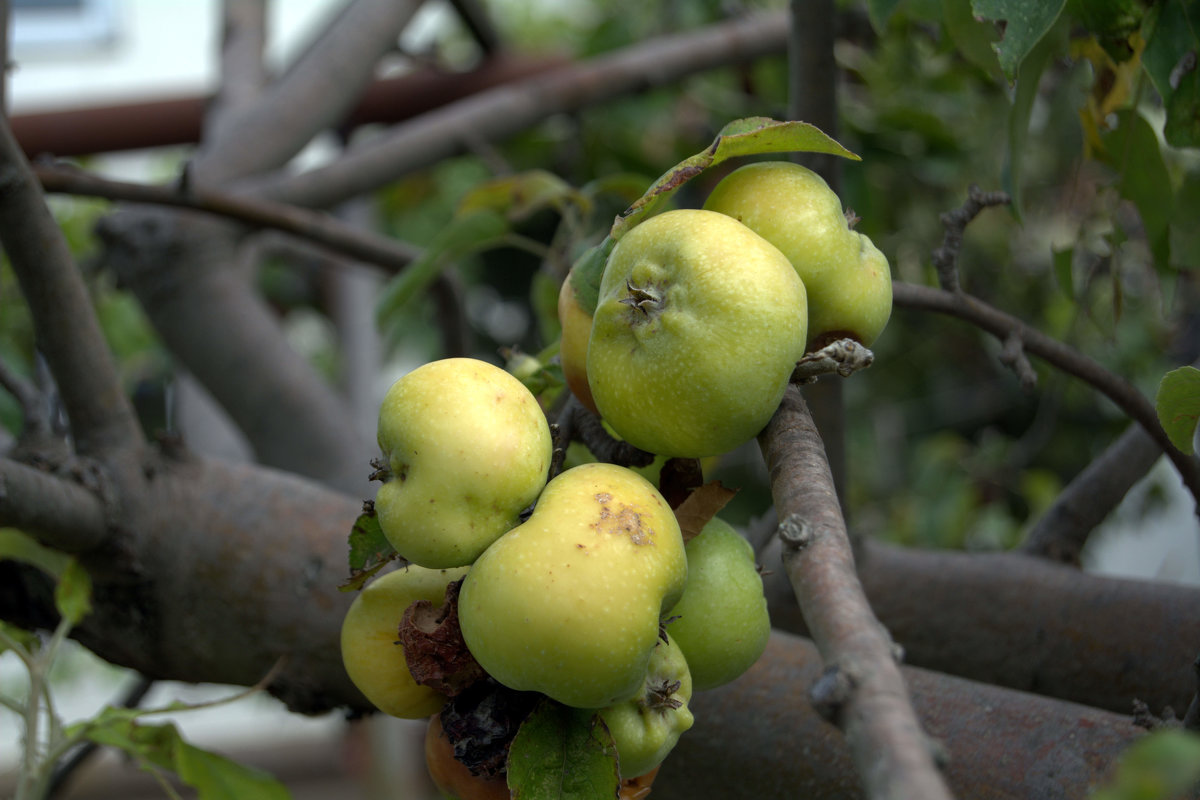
1178, 406
1170, 61
1025, 23
519, 195
370, 551
701, 506
751, 136
562, 753
73, 594
434, 648
160, 747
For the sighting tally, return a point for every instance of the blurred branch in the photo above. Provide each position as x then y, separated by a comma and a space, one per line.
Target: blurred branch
1063, 530
867, 699
316, 92
243, 72
945, 257
67, 331
497, 113
1004, 327
317, 227
62, 513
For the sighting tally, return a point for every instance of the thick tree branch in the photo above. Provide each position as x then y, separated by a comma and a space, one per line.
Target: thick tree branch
506, 110
67, 331
315, 93
1005, 326
1027, 623
757, 738
889, 749
61, 512
243, 71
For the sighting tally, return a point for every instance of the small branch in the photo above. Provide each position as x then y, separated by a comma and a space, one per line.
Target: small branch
1004, 326
843, 357
1061, 532
61, 513
1013, 357
66, 328
315, 227
587, 428
889, 748
945, 258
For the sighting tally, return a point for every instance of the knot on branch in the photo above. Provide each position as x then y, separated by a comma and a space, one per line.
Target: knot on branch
1013, 356
945, 257
831, 691
844, 357
795, 532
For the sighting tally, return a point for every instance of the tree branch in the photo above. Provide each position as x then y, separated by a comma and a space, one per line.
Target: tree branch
66, 328
62, 513
315, 93
243, 73
889, 749
1004, 326
506, 110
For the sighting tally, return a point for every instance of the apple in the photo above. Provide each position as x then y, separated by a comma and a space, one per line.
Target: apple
568, 603
572, 352
699, 324
468, 449
848, 280
646, 727
721, 623
373, 658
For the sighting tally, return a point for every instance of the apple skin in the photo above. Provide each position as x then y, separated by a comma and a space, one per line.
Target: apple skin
572, 352
469, 448
373, 658
848, 279
723, 625
568, 603
699, 324
647, 727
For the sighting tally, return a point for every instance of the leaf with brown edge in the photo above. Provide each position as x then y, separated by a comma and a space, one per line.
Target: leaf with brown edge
701, 506
370, 551
433, 644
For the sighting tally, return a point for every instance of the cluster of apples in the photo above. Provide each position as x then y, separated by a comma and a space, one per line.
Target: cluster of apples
702, 314
581, 587
567, 600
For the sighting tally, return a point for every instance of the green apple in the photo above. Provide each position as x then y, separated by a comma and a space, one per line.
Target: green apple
848, 280
646, 727
721, 624
468, 449
572, 352
568, 603
373, 658
699, 324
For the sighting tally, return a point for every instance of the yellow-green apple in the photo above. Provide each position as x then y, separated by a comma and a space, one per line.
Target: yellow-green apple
721, 623
373, 657
572, 351
848, 280
468, 448
646, 727
568, 603
699, 324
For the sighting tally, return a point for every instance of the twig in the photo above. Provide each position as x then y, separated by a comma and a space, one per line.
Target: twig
945, 258
1059, 354
587, 427
872, 706
68, 333
315, 227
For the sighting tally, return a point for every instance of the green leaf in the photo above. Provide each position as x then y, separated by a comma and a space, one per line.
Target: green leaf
587, 271
73, 594
1160, 766
370, 551
974, 39
1026, 91
562, 753
1184, 233
1182, 126
1178, 406
1171, 44
464, 235
18, 637
880, 11
519, 195
213, 776
751, 136
1132, 149
20, 546
1025, 23
1062, 270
